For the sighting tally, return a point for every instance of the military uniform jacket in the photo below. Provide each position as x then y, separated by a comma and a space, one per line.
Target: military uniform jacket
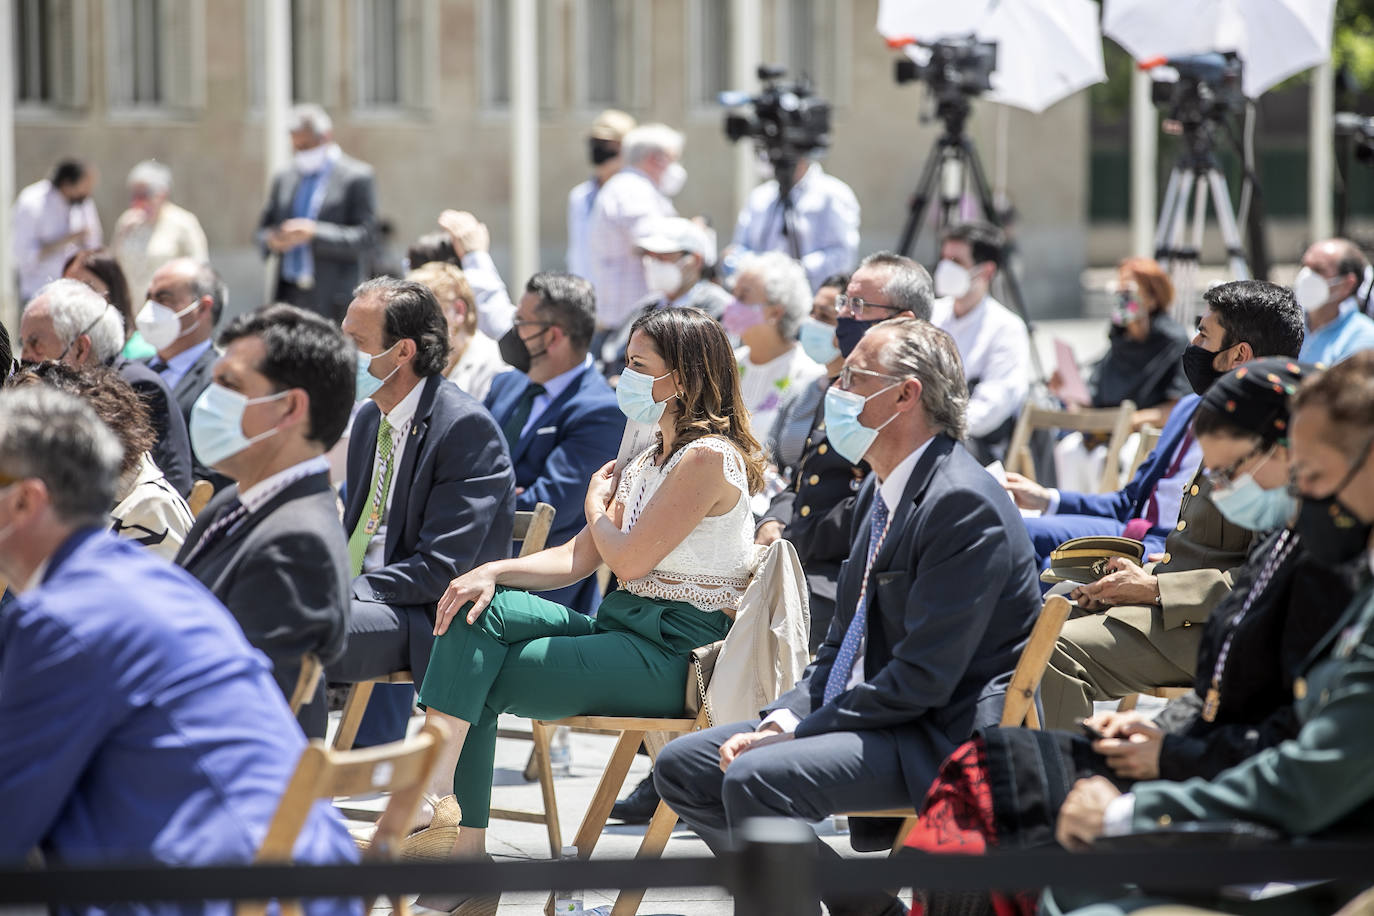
1321, 781
1201, 558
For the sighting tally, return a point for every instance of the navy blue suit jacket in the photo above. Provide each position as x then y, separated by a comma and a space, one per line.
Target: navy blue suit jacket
138, 724
952, 597
452, 499
1132, 500
564, 446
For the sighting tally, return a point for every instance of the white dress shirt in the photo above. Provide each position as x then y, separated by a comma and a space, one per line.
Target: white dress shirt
825, 215
495, 311
179, 365
617, 272
580, 201
995, 347
399, 418
43, 215
891, 490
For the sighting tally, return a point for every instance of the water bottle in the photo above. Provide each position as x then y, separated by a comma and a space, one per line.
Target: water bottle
568, 903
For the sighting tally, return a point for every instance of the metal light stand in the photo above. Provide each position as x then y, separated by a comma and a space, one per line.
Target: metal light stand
953, 158
1194, 175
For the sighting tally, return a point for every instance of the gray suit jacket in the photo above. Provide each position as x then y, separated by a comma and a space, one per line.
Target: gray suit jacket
343, 230
283, 574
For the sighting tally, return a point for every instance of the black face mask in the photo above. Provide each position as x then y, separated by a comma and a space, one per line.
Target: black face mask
849, 331
602, 151
1197, 365
516, 352
1330, 532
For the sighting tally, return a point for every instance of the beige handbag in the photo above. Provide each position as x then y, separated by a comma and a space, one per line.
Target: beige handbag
702, 666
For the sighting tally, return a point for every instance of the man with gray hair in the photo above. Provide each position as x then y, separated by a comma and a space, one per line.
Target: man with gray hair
69, 322
932, 611
154, 230
179, 759
319, 218
643, 188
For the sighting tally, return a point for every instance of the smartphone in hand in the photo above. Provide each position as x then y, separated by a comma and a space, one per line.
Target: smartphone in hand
1092, 733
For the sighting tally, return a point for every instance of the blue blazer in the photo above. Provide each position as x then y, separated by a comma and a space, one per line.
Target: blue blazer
452, 497
565, 445
1132, 500
139, 725
952, 597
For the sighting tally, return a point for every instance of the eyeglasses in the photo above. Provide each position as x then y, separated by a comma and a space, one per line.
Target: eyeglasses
846, 378
1222, 479
856, 306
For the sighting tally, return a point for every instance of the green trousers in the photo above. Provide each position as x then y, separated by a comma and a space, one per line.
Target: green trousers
541, 660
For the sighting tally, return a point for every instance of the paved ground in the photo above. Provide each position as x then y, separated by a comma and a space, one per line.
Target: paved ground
515, 841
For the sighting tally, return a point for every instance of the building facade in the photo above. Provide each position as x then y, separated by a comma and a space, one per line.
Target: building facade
421, 89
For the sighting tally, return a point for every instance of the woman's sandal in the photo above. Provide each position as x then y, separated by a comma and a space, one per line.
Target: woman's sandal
460, 904
435, 842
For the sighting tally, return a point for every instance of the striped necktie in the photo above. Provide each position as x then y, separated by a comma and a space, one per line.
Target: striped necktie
843, 666
371, 517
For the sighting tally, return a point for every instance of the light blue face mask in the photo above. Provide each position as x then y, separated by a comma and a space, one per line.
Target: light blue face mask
1249, 505
217, 424
635, 395
368, 384
850, 438
818, 341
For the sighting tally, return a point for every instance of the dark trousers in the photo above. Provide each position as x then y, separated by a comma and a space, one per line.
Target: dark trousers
810, 778
383, 639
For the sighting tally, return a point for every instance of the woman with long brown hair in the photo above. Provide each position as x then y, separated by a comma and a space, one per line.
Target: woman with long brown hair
676, 531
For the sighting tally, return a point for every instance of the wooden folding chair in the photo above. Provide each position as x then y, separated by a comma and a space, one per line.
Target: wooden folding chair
306, 681
1149, 438
1114, 422
201, 491
532, 531
402, 769
632, 732
1019, 706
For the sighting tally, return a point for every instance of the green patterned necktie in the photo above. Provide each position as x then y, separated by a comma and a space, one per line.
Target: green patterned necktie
371, 518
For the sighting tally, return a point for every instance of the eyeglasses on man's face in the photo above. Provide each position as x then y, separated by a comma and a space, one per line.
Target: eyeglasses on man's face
863, 310
845, 381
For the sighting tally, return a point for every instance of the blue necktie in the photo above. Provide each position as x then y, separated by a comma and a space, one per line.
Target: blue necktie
843, 666
295, 262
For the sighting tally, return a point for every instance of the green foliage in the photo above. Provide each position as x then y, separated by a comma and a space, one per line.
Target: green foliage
1352, 47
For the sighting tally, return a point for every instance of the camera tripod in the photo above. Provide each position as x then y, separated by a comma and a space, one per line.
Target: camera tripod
784, 172
951, 161
1194, 175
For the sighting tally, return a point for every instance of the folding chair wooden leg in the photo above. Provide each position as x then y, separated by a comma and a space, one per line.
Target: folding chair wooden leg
599, 811
352, 717
542, 735
651, 847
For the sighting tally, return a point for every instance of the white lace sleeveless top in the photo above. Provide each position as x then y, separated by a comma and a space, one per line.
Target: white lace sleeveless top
711, 567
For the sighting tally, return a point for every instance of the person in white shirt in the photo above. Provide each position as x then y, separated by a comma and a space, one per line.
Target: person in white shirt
472, 245
644, 187
932, 608
603, 149
474, 359
772, 298
993, 341
154, 230
824, 216
53, 219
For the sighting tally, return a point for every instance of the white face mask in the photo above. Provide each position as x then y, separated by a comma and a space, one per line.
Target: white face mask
161, 326
310, 161
952, 279
1311, 289
662, 276
673, 179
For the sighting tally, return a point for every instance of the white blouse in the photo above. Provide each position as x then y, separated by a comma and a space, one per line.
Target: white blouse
711, 567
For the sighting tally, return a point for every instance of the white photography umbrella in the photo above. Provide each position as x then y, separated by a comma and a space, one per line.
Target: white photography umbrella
1046, 49
1274, 38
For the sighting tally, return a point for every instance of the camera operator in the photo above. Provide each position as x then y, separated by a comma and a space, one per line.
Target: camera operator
824, 218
